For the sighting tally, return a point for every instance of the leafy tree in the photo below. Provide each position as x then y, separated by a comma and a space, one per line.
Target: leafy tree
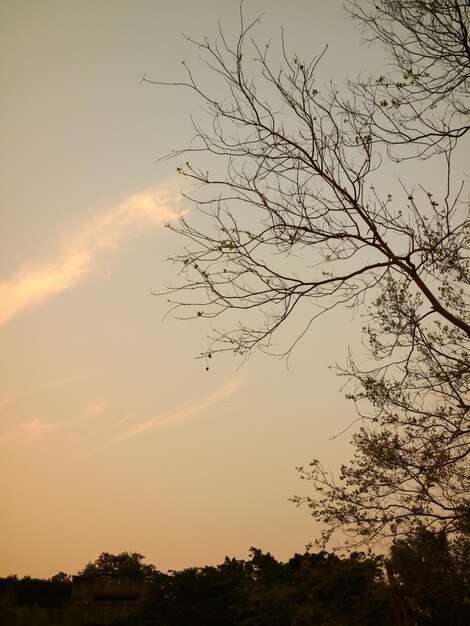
411, 460
295, 213
196, 595
429, 575
122, 565
28, 591
61, 577
317, 588
308, 589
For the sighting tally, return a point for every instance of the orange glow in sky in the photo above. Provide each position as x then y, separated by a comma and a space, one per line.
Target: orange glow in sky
113, 436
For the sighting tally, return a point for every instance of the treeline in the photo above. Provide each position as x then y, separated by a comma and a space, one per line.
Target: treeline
49, 593
309, 589
424, 581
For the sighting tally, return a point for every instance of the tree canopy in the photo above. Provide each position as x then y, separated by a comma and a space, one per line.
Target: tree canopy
424, 581
308, 589
122, 565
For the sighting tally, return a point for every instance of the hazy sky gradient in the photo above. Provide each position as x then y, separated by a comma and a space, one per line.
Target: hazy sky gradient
113, 436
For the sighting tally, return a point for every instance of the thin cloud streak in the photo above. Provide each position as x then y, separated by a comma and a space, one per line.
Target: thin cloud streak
36, 427
94, 408
37, 282
180, 415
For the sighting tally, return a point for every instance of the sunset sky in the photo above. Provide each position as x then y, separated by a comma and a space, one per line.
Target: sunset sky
113, 435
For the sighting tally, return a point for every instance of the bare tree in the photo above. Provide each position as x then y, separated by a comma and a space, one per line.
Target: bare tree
425, 101
294, 212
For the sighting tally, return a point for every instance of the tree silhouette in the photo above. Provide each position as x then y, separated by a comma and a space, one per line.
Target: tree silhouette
122, 565
294, 212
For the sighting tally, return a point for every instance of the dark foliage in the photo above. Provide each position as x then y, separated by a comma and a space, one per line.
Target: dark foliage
425, 581
308, 589
27, 591
429, 575
122, 565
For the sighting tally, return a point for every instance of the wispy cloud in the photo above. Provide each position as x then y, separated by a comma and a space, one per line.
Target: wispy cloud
94, 408
41, 429
177, 416
36, 428
77, 257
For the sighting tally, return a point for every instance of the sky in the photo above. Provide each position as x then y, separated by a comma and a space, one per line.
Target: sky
113, 436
